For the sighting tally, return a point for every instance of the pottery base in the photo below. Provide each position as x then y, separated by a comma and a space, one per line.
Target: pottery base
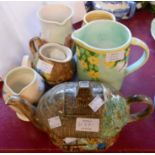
22, 117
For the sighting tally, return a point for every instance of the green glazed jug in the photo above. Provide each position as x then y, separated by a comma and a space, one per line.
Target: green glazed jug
103, 49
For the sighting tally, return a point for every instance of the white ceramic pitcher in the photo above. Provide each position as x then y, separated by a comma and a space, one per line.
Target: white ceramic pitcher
24, 82
55, 22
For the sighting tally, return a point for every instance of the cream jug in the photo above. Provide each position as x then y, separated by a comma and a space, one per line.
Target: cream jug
53, 61
23, 82
55, 22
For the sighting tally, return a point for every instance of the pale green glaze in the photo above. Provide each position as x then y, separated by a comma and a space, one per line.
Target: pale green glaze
116, 108
96, 69
103, 35
102, 49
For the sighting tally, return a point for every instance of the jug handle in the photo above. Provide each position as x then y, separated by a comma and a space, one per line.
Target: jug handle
141, 61
26, 61
69, 42
142, 114
35, 43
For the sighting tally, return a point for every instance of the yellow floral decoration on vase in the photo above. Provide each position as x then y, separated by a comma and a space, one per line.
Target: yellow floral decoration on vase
93, 60
83, 64
93, 74
89, 62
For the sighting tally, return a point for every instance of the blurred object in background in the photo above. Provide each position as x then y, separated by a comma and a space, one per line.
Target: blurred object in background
121, 10
150, 5
141, 4
153, 28
89, 6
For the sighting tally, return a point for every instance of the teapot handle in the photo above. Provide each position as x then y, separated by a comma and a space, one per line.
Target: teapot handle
142, 114
21, 106
35, 43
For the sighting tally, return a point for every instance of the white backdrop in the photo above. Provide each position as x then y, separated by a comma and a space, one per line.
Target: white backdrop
19, 23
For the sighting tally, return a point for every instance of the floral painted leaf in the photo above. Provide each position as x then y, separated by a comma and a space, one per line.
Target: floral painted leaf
87, 53
96, 68
83, 57
82, 51
91, 66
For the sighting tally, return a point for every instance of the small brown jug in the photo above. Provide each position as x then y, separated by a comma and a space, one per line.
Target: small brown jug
53, 61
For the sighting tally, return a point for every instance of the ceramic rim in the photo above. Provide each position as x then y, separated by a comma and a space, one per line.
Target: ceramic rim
98, 11
102, 50
16, 69
55, 22
67, 51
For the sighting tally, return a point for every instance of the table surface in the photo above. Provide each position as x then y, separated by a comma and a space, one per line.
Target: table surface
19, 136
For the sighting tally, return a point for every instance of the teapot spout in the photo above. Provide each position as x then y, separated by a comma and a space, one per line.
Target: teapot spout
22, 106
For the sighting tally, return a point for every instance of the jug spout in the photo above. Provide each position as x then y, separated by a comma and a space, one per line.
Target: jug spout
82, 38
101, 36
22, 106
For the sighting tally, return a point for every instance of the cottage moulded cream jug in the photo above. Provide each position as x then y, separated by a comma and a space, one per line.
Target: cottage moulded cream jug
23, 82
53, 61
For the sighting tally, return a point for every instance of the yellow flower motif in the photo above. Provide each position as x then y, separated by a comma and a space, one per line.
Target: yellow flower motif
93, 74
93, 60
92, 141
78, 52
109, 64
84, 64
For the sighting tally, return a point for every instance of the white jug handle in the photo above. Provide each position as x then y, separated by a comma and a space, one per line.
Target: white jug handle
26, 61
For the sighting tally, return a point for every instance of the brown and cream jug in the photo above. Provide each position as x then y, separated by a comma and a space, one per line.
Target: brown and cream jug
53, 61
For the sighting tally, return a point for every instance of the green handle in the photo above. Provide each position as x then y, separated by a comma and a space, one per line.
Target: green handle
141, 61
142, 114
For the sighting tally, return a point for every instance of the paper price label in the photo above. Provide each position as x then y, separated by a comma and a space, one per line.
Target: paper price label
69, 140
96, 103
115, 56
84, 84
54, 122
44, 66
87, 124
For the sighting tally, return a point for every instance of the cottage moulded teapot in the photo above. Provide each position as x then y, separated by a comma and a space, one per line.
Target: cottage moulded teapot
82, 116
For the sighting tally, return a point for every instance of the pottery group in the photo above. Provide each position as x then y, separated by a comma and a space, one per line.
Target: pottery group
89, 113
